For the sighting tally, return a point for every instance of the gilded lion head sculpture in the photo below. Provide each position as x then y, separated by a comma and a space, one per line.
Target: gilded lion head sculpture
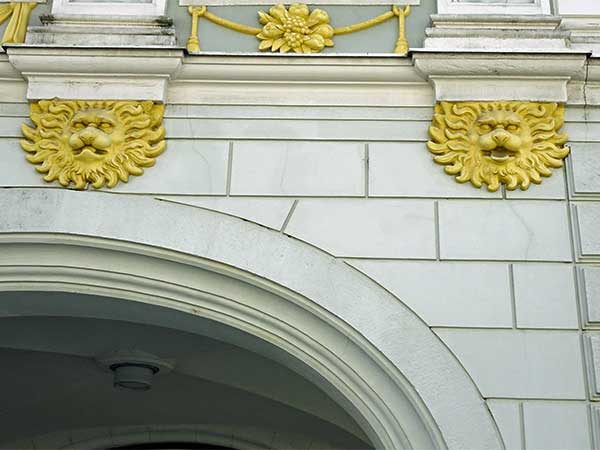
495, 143
93, 142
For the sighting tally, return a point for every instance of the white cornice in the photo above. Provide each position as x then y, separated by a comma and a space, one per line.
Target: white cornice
371, 80
7, 70
488, 76
515, 33
90, 73
376, 80
584, 32
300, 68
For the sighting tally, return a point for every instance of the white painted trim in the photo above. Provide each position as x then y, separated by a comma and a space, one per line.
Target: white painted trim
300, 79
584, 32
224, 79
309, 284
467, 76
344, 80
499, 7
96, 74
156, 8
312, 2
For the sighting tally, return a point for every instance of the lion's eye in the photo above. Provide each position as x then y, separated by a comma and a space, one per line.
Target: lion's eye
78, 126
512, 127
106, 126
485, 128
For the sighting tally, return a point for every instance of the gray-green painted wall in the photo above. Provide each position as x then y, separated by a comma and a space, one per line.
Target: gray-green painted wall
380, 39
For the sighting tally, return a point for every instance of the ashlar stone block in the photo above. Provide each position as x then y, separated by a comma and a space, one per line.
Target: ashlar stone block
550, 425
455, 295
520, 364
298, 168
545, 296
506, 414
269, 212
404, 169
367, 228
504, 230
587, 223
585, 159
186, 167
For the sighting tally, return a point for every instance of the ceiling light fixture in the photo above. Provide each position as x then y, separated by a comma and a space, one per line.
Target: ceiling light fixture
134, 369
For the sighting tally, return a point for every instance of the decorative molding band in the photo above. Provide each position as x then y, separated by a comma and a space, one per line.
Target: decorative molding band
95, 73
501, 32
91, 142
494, 7
118, 8
87, 30
308, 80
463, 75
498, 143
296, 28
584, 32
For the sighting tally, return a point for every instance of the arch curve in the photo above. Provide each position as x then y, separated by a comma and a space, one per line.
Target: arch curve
365, 332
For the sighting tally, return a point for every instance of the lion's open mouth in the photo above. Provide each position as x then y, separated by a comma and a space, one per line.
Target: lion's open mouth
90, 149
499, 154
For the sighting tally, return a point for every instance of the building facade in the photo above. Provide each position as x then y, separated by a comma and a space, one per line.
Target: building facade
345, 224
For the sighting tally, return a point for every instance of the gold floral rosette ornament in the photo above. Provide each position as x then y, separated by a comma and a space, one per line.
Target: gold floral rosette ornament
498, 143
83, 142
296, 29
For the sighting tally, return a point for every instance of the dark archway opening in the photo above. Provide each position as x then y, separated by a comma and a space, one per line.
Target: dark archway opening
223, 393
173, 446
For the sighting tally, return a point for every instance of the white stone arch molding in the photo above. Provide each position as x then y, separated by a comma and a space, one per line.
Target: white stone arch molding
372, 355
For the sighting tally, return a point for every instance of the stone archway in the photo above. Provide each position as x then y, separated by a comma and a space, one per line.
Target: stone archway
368, 350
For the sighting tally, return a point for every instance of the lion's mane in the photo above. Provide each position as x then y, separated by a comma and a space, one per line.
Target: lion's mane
47, 143
452, 146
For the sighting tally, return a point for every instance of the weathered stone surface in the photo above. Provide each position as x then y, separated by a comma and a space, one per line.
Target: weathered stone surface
367, 229
520, 364
545, 296
513, 230
298, 168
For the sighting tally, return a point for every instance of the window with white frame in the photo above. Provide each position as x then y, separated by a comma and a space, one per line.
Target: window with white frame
310, 2
110, 7
579, 7
507, 7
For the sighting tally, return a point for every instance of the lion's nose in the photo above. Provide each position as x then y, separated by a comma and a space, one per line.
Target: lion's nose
500, 137
88, 135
